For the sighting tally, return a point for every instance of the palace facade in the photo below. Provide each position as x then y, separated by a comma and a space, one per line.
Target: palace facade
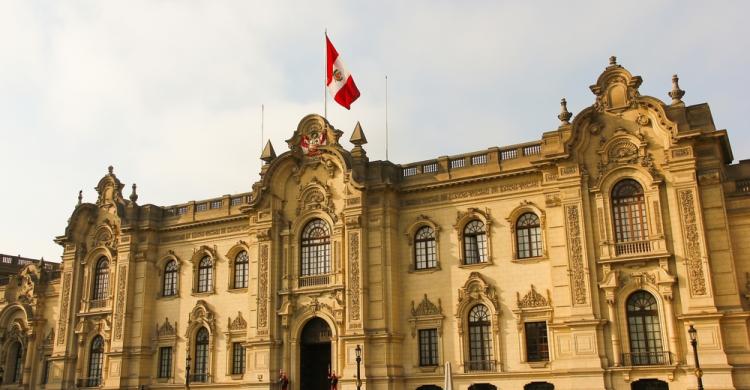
578, 261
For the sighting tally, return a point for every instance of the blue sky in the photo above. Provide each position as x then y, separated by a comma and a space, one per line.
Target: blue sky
169, 92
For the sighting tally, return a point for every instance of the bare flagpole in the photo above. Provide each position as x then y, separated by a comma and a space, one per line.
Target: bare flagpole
325, 79
386, 117
262, 117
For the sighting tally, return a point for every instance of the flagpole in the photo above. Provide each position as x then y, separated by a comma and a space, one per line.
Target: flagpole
386, 117
262, 117
325, 79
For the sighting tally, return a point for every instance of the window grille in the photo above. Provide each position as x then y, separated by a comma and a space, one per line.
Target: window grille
428, 347
537, 348
238, 359
425, 255
528, 236
475, 243
316, 248
205, 275
165, 362
241, 265
170, 279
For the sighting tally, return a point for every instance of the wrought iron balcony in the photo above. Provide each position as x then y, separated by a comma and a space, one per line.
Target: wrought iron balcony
89, 382
480, 366
657, 358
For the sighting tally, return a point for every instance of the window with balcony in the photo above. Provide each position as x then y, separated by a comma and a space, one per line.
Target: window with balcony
425, 254
480, 340
101, 283
629, 211
315, 249
644, 331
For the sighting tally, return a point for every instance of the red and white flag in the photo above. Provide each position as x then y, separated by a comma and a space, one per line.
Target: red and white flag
338, 80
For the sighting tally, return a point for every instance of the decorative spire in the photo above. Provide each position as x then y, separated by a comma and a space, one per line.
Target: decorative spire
612, 61
133, 195
565, 115
358, 136
111, 169
80, 197
676, 93
268, 153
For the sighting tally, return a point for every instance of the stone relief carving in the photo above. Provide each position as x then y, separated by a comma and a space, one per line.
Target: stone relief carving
354, 275
575, 253
477, 289
694, 260
166, 329
315, 196
120, 307
62, 323
238, 323
263, 288
532, 299
426, 308
201, 314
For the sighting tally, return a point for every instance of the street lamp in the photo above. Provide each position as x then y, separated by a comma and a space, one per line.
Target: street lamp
358, 352
694, 342
187, 371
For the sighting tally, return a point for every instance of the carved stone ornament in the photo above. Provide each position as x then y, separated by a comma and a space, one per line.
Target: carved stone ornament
426, 308
575, 254
313, 133
315, 196
110, 194
532, 299
263, 287
616, 89
238, 323
200, 315
694, 257
104, 236
166, 329
62, 322
476, 289
50, 337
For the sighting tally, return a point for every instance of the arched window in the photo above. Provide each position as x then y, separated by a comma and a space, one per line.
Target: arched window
316, 248
201, 356
170, 279
96, 361
17, 350
101, 280
644, 330
475, 242
205, 274
425, 255
480, 340
528, 236
629, 211
241, 266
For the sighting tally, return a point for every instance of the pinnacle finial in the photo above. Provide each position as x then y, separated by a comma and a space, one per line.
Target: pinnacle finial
268, 153
612, 60
133, 195
676, 93
111, 169
80, 197
565, 115
358, 136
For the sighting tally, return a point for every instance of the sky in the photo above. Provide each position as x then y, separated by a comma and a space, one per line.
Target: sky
170, 92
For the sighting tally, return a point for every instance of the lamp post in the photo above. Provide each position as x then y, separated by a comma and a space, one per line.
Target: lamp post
187, 371
358, 352
694, 342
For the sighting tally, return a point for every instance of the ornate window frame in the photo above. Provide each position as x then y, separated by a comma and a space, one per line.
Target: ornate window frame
462, 219
427, 315
90, 262
476, 291
643, 282
512, 218
533, 307
231, 256
236, 333
161, 271
165, 336
198, 255
202, 317
410, 233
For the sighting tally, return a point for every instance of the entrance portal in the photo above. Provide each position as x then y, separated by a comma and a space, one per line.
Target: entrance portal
315, 355
649, 384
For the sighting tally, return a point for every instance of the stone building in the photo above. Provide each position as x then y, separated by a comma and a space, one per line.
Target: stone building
577, 261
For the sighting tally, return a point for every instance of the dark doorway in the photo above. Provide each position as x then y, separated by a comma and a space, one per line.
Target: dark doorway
649, 384
429, 387
315, 355
482, 386
539, 386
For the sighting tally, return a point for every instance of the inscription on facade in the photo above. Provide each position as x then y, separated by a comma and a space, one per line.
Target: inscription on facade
471, 193
203, 233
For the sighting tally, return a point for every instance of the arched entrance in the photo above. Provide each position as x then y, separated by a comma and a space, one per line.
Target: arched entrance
649, 384
482, 386
315, 355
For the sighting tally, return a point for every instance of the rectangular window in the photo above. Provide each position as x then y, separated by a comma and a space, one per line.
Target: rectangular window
182, 210
428, 347
238, 359
236, 201
201, 207
165, 362
47, 368
216, 204
536, 342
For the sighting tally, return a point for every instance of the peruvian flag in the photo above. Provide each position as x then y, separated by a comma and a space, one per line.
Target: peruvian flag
338, 80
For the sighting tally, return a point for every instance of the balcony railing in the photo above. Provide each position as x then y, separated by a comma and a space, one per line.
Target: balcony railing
480, 366
99, 303
89, 382
658, 358
317, 280
632, 247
